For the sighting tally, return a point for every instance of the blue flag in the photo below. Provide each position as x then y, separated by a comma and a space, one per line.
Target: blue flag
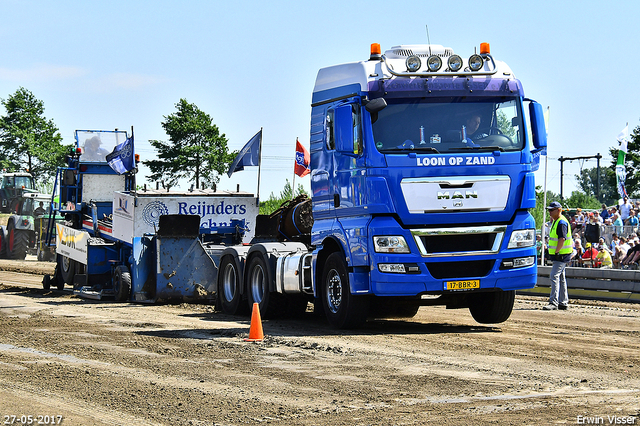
249, 155
121, 159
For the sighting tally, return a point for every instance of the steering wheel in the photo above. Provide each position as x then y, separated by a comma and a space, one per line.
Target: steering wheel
494, 133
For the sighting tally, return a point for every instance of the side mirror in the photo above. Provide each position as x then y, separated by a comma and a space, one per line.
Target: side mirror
375, 105
538, 129
343, 125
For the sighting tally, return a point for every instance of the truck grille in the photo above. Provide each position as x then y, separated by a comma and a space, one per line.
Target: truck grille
452, 270
459, 241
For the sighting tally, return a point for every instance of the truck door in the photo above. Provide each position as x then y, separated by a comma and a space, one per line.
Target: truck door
349, 161
349, 183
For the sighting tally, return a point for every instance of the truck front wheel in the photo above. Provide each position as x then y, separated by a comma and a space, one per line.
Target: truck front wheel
342, 309
492, 307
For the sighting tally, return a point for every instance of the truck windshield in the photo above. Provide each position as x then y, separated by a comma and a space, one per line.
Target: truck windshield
449, 125
97, 144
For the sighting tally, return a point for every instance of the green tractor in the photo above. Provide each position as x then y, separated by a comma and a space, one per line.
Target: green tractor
12, 186
27, 227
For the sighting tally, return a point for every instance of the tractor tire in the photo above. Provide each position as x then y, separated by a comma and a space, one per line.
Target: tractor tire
122, 283
18, 242
46, 282
3, 243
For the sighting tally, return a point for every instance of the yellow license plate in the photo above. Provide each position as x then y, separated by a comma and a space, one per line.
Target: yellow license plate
462, 285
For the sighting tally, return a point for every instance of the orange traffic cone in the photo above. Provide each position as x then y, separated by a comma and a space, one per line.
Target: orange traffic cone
255, 331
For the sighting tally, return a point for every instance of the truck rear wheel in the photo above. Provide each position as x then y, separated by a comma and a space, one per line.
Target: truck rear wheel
229, 299
18, 242
342, 309
122, 283
492, 308
258, 289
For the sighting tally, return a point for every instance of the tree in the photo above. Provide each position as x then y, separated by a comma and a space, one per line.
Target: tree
196, 149
28, 141
273, 203
582, 200
588, 182
539, 213
505, 126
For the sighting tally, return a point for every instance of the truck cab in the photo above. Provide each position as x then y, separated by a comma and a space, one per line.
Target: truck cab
421, 182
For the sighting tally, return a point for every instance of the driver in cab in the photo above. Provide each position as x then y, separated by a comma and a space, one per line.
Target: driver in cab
470, 131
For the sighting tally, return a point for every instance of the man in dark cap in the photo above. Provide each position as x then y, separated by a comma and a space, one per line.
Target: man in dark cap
560, 251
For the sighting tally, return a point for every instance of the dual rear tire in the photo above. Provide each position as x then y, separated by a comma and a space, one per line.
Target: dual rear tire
234, 299
342, 309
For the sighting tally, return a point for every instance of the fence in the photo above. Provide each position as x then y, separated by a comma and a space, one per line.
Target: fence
598, 284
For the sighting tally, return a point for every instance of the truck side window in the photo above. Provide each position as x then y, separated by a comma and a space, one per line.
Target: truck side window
357, 130
330, 136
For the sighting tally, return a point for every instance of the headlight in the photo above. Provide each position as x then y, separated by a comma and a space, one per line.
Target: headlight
475, 62
522, 238
455, 63
399, 268
392, 244
518, 262
434, 63
413, 63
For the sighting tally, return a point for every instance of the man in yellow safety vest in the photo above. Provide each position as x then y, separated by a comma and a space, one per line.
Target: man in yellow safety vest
560, 251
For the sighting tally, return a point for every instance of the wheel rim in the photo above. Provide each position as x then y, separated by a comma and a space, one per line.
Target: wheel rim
11, 239
66, 262
257, 283
229, 283
334, 291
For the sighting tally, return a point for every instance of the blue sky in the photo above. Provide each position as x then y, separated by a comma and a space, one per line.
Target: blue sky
117, 64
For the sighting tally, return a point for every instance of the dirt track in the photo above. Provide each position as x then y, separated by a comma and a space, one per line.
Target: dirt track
106, 363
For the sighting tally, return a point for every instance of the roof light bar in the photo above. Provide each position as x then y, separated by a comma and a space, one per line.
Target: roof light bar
475, 62
434, 63
413, 63
454, 63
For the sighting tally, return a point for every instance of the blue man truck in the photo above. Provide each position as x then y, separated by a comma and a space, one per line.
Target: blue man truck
421, 180
421, 184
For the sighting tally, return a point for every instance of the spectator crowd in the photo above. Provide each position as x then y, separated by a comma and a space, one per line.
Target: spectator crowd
608, 238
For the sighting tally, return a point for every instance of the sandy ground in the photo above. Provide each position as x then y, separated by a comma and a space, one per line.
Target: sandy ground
107, 363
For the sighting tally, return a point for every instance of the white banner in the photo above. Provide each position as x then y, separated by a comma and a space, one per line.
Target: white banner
72, 243
136, 216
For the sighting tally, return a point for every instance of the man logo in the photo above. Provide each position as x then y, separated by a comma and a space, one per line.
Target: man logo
457, 195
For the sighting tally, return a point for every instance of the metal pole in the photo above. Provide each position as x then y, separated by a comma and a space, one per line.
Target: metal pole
561, 159
544, 210
598, 157
259, 166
